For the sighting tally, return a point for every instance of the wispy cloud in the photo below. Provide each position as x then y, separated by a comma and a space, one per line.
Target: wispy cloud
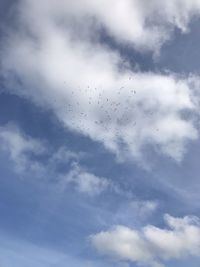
86, 182
20, 147
20, 253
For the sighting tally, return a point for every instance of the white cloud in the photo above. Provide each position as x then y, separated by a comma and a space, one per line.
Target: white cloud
144, 24
19, 147
151, 244
68, 71
86, 182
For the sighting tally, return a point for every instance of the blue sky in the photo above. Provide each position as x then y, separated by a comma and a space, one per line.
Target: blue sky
99, 133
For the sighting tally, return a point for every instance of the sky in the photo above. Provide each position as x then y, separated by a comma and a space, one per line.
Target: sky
99, 133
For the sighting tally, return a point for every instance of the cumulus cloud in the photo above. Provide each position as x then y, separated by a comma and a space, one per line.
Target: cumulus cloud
151, 245
144, 24
57, 56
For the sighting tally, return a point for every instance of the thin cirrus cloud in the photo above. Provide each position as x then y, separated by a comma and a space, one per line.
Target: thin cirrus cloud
89, 87
151, 246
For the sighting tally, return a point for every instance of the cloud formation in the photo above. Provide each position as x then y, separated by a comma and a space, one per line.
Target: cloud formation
151, 246
86, 182
60, 55
146, 25
60, 64
20, 149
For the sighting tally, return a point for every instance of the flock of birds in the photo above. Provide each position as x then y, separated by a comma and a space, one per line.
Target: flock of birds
112, 112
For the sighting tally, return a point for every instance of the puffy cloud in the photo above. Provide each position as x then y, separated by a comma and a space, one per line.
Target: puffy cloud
144, 24
57, 56
151, 244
